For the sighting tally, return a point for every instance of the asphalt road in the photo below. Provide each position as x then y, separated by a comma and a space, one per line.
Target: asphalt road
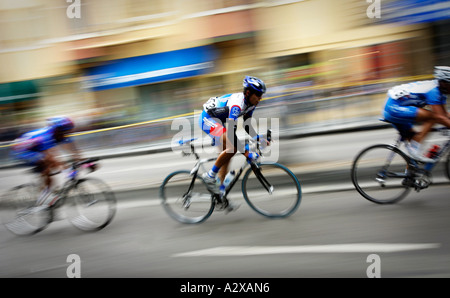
343, 228
335, 232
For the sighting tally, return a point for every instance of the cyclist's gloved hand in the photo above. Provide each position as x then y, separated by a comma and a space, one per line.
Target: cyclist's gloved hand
262, 140
252, 156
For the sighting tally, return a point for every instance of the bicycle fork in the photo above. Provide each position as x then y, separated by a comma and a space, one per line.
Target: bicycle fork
187, 196
257, 170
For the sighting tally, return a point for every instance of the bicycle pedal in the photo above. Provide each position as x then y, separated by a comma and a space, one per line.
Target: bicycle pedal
221, 204
418, 187
220, 207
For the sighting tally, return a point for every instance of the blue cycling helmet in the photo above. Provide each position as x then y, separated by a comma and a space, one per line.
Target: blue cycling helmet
62, 123
254, 84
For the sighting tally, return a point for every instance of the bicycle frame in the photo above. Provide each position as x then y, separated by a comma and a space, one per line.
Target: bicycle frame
200, 162
413, 165
70, 182
440, 154
429, 166
177, 201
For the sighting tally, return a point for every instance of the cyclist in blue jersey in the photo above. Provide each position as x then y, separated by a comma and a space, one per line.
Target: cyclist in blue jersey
36, 148
220, 113
405, 106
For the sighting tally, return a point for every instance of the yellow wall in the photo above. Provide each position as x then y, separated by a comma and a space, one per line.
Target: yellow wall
115, 28
316, 25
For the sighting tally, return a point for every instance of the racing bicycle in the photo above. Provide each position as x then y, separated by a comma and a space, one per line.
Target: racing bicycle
90, 204
384, 174
269, 188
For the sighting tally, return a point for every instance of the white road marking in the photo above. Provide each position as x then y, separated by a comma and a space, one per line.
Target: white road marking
332, 248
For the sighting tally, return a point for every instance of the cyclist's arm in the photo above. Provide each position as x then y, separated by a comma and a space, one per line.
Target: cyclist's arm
49, 158
442, 114
232, 136
232, 129
437, 103
249, 129
70, 146
238, 145
232, 119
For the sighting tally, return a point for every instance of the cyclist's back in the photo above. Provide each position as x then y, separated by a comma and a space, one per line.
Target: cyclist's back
28, 147
418, 94
405, 104
228, 106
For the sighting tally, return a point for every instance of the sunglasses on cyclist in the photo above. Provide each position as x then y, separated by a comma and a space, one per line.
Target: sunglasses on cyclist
258, 93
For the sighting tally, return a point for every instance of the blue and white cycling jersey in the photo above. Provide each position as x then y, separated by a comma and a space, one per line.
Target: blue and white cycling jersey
217, 110
30, 145
418, 94
404, 100
228, 106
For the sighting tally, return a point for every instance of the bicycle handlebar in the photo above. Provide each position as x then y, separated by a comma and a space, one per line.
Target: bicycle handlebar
258, 143
91, 161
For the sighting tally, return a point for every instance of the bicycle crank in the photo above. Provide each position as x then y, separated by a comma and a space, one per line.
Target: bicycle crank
422, 181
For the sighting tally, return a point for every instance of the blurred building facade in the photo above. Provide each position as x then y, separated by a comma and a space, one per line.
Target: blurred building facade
113, 62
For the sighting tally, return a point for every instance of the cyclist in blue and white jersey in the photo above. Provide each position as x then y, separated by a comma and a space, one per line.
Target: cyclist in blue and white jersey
405, 106
36, 148
222, 112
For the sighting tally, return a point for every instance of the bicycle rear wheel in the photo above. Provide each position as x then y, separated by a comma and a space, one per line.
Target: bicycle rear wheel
184, 203
272, 190
90, 205
18, 212
380, 174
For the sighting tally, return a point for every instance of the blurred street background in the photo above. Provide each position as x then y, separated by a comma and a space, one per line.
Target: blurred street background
124, 69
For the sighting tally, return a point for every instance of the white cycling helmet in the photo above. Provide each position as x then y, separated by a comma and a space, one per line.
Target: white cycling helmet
442, 73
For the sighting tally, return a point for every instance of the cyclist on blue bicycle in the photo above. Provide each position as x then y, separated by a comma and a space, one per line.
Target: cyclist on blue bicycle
220, 113
37, 149
405, 106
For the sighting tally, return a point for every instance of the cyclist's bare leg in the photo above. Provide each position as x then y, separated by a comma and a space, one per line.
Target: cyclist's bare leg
426, 128
48, 164
223, 161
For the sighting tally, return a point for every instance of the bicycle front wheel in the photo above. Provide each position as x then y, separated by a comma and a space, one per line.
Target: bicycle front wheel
272, 190
380, 174
186, 199
19, 213
91, 204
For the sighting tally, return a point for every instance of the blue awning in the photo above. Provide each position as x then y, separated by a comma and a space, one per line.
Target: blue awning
140, 70
415, 11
